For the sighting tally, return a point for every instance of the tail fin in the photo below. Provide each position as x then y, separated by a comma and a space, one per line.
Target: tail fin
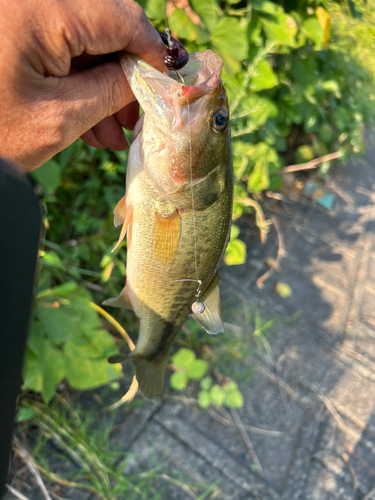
151, 375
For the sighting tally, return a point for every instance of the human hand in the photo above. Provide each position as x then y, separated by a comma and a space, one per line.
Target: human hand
59, 76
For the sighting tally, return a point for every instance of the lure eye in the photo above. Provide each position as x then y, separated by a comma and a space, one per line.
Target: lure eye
220, 120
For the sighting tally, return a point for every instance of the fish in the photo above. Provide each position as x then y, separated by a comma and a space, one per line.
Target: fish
177, 207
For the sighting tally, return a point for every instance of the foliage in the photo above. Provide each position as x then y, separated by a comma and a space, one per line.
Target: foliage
295, 91
66, 340
189, 368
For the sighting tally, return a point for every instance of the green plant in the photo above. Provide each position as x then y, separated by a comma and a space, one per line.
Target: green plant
187, 367
73, 440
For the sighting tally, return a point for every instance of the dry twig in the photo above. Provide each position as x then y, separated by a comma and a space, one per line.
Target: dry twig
280, 254
346, 460
311, 164
260, 219
16, 493
369, 494
26, 457
245, 437
229, 422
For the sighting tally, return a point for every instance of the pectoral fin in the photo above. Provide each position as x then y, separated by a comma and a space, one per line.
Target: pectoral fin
123, 215
120, 212
210, 319
166, 237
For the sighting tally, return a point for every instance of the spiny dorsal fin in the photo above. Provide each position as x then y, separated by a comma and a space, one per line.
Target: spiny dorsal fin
210, 319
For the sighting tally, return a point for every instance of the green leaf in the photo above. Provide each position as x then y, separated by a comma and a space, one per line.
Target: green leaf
229, 36
304, 154
304, 72
341, 117
52, 259
333, 87
85, 366
46, 369
235, 253
259, 178
179, 380
230, 387
183, 358
24, 414
234, 232
180, 23
325, 132
155, 9
281, 29
85, 318
313, 30
54, 370
197, 369
267, 7
206, 383
207, 11
48, 176
265, 77
217, 395
56, 321
204, 399
60, 290
259, 109
32, 374
283, 289
233, 399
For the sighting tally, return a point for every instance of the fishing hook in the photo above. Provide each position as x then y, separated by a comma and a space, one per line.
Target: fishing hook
177, 56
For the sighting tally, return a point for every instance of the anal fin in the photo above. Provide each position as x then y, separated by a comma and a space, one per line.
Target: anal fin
210, 319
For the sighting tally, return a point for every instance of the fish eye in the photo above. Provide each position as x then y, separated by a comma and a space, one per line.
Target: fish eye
220, 120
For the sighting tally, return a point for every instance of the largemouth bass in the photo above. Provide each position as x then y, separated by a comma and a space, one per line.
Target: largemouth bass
177, 207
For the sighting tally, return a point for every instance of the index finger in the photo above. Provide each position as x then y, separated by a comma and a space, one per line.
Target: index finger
111, 26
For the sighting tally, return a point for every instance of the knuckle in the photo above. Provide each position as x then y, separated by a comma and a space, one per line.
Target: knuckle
111, 89
139, 19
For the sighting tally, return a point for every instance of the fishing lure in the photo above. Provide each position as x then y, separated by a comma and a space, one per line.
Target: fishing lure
177, 56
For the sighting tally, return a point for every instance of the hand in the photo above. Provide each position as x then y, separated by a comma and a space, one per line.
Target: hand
59, 75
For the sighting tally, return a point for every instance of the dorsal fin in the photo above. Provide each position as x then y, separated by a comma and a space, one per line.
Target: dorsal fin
210, 319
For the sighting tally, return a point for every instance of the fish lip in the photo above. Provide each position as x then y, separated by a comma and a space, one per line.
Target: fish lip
164, 96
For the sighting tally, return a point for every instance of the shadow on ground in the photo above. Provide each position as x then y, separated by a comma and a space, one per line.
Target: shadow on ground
309, 406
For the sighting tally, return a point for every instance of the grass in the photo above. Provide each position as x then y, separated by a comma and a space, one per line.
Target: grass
83, 444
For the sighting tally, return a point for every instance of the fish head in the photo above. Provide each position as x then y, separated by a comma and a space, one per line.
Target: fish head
185, 127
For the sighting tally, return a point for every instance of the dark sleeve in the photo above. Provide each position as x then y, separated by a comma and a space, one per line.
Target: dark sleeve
20, 225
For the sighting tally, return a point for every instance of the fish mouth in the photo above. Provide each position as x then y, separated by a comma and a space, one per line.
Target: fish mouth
172, 100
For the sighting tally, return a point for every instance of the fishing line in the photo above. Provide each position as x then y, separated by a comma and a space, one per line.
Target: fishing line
197, 307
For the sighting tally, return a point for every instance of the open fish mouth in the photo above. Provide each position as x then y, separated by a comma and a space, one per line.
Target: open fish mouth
170, 101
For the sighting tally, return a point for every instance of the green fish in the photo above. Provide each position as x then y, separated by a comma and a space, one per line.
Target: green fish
177, 208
